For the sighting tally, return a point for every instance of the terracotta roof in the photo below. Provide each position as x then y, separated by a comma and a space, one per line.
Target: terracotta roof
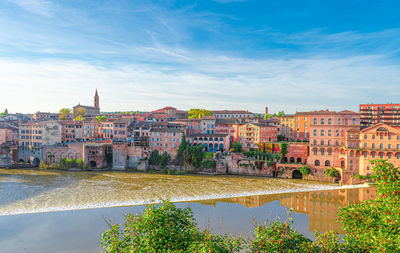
231, 112
208, 135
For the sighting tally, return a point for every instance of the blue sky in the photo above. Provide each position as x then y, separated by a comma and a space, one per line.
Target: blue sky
221, 54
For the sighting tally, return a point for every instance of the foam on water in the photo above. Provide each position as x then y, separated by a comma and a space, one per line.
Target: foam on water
23, 192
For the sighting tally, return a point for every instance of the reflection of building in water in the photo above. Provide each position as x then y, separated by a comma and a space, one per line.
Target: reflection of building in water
322, 206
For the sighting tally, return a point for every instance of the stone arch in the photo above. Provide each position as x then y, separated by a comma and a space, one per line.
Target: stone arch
291, 159
316, 163
92, 164
285, 160
298, 160
296, 174
327, 163
36, 162
70, 155
21, 160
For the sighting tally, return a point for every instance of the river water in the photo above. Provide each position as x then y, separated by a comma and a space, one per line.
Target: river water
59, 211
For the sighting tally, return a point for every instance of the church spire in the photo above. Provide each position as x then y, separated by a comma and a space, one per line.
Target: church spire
96, 100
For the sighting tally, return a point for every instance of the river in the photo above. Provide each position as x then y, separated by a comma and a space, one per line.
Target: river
61, 211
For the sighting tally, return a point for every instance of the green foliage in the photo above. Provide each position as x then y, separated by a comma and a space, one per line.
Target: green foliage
208, 155
43, 165
281, 137
283, 149
279, 236
279, 114
154, 158
64, 113
198, 113
374, 226
208, 164
189, 155
4, 113
165, 159
68, 163
165, 228
331, 172
305, 170
101, 118
237, 146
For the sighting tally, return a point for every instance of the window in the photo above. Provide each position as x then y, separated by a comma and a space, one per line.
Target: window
322, 132
316, 163
354, 121
381, 146
390, 156
365, 145
389, 137
373, 155
351, 153
365, 154
329, 133
337, 132
339, 121
315, 151
381, 155
389, 146
315, 121
315, 142
327, 163
373, 145
322, 121
373, 136
322, 142
315, 132
322, 151
329, 151
365, 136
381, 137
398, 156
329, 121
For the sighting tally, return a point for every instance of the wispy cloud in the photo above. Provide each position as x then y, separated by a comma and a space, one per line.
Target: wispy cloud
40, 7
211, 82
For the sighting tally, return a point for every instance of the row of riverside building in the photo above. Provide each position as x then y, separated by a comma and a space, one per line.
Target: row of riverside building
344, 140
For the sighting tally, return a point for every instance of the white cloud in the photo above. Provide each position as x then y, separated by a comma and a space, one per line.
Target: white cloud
40, 7
213, 82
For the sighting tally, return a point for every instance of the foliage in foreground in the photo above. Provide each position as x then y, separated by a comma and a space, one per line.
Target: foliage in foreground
371, 226
165, 228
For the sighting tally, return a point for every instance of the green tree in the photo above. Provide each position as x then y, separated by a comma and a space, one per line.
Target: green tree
79, 114
331, 172
198, 113
65, 112
154, 158
305, 170
165, 228
165, 159
101, 118
237, 146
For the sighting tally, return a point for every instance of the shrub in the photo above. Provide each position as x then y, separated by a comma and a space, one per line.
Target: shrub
332, 172
165, 228
305, 170
208, 164
279, 236
43, 165
237, 147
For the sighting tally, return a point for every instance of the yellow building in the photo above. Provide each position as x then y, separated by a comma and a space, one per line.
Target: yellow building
251, 134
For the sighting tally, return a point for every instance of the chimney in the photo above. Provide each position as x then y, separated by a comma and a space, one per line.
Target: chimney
266, 110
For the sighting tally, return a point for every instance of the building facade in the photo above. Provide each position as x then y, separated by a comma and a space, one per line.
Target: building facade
380, 113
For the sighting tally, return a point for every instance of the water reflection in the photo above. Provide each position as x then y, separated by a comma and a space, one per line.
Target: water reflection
320, 206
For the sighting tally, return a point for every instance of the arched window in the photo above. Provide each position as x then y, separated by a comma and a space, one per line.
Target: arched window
315, 151
373, 155
381, 155
351, 153
327, 163
322, 132
389, 156
329, 151
329, 133
365, 154
322, 151
316, 163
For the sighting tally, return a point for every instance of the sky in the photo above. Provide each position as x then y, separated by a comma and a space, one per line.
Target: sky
215, 54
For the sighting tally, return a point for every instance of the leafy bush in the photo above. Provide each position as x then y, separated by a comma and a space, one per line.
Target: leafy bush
332, 172
279, 236
43, 165
305, 170
237, 146
154, 158
209, 164
165, 228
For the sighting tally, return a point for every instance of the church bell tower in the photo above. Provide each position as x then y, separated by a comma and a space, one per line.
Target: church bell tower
96, 100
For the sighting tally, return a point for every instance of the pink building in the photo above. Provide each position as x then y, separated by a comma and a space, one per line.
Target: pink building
165, 140
8, 134
107, 128
327, 137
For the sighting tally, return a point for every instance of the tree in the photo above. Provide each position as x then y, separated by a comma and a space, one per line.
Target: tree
237, 146
332, 172
79, 113
165, 228
279, 115
198, 113
283, 150
281, 137
6, 112
64, 113
154, 158
101, 118
165, 159
305, 170
374, 226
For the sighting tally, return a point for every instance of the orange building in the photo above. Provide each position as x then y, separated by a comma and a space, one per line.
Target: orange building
296, 127
251, 134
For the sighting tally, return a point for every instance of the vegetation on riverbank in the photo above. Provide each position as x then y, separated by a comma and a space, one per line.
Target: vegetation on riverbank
371, 226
